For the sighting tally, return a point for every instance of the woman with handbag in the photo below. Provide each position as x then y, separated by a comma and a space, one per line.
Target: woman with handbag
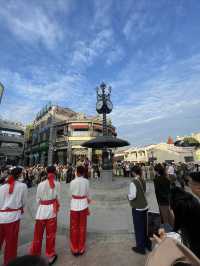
138, 202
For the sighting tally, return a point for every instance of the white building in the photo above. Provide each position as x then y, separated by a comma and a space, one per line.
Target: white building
159, 153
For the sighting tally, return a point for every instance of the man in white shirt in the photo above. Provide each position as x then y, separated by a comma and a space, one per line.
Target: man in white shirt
138, 202
170, 170
13, 195
48, 196
171, 174
79, 188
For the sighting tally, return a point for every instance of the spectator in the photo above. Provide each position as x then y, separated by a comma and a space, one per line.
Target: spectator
162, 191
171, 174
69, 174
138, 202
186, 209
194, 183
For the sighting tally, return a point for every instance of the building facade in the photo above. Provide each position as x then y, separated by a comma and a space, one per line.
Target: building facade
11, 142
195, 136
56, 136
160, 153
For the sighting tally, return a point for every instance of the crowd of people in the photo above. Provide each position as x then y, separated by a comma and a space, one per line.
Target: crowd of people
177, 190
178, 196
175, 171
33, 175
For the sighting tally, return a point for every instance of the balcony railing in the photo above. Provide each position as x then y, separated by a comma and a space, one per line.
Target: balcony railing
11, 138
15, 151
7, 125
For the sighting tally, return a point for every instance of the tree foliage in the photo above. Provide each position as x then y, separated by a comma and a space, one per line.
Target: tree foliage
190, 141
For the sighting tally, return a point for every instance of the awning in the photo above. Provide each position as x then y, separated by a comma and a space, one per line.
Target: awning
101, 142
80, 126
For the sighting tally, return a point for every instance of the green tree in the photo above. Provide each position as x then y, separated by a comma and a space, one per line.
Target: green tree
190, 141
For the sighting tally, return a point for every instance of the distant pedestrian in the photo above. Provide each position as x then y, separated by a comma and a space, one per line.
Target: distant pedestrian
162, 191
171, 174
86, 166
69, 173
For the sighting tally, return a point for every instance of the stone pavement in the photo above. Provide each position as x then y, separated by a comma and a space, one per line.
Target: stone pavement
110, 226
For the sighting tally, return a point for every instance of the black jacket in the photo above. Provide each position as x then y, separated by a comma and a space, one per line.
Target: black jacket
162, 189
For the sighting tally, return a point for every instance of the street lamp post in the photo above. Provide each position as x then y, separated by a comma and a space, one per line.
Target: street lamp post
51, 141
104, 106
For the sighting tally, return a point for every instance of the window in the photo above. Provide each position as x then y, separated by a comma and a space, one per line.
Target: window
79, 133
49, 120
60, 132
189, 159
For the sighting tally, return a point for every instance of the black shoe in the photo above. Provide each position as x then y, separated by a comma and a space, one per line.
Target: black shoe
76, 254
81, 253
138, 250
53, 260
149, 246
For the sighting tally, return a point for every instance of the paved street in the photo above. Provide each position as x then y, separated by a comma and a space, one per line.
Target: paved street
110, 228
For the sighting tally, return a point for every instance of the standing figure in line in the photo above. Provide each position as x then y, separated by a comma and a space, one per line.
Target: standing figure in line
138, 202
162, 191
48, 197
86, 165
69, 173
194, 184
13, 196
79, 188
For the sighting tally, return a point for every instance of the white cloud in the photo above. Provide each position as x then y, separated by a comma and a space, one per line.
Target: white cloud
141, 22
102, 14
115, 55
27, 97
87, 51
31, 22
171, 93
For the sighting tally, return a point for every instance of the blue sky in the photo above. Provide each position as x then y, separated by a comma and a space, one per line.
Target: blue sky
148, 51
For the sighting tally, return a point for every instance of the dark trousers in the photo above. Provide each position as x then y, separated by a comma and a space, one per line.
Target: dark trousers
140, 226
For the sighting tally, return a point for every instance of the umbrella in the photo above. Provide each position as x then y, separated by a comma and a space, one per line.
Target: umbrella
105, 142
